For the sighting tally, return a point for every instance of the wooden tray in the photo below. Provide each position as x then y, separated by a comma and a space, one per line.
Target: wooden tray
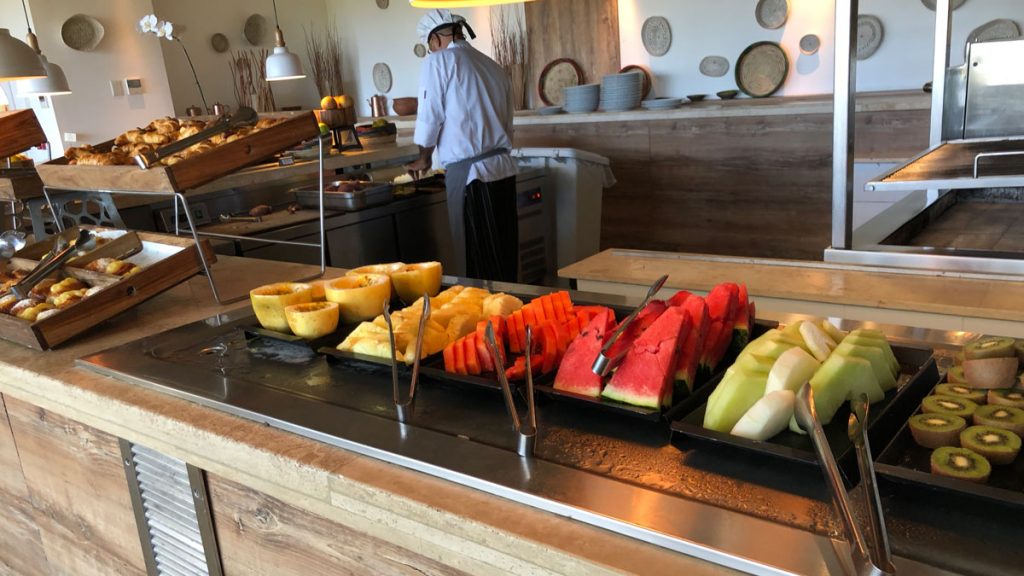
187, 174
19, 184
166, 261
19, 131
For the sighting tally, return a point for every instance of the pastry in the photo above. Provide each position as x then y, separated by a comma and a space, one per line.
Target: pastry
164, 126
264, 123
68, 298
92, 291
23, 305
121, 268
32, 312
42, 289
67, 285
99, 264
156, 138
134, 136
76, 152
7, 302
46, 314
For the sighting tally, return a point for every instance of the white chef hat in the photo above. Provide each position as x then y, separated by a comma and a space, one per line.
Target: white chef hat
439, 18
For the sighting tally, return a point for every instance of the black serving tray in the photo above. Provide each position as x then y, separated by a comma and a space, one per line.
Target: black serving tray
918, 375
905, 462
257, 331
431, 368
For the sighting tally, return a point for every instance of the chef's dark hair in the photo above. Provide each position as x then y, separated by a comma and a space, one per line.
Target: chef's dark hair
459, 29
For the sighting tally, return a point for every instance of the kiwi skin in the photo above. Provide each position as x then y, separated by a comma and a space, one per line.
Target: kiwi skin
961, 391
942, 456
1005, 417
1007, 397
934, 405
955, 375
1004, 453
931, 436
1019, 347
990, 348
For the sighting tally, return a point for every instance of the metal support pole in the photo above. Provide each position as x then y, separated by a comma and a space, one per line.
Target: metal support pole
843, 122
940, 63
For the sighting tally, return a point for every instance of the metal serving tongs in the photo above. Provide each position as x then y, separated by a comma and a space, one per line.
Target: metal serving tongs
526, 431
86, 241
245, 116
404, 408
863, 559
857, 430
604, 363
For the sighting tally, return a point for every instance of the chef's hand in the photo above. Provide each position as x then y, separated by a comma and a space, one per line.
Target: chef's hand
418, 167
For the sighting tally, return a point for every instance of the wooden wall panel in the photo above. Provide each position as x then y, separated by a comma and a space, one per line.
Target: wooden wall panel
79, 493
585, 30
21, 551
260, 535
756, 186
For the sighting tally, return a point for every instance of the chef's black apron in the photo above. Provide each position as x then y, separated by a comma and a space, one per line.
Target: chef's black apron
484, 222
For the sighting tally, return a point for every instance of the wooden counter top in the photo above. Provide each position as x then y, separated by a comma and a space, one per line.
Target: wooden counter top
466, 530
995, 298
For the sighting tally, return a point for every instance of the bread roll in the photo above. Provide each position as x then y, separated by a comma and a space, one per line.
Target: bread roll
32, 312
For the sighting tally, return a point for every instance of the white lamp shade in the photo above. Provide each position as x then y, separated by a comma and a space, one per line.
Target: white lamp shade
17, 60
55, 83
283, 65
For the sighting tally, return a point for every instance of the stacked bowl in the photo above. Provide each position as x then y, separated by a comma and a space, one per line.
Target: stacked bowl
581, 99
620, 92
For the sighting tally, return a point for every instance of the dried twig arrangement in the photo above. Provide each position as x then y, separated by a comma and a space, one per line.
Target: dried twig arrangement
509, 44
323, 52
249, 78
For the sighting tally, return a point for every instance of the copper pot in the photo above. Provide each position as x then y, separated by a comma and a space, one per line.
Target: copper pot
405, 106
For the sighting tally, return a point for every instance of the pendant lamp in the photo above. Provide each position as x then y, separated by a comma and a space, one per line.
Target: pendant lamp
282, 64
54, 84
17, 60
461, 3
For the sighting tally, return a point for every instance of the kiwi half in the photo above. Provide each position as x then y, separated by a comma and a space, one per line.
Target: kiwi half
1019, 347
948, 405
961, 463
936, 430
991, 373
997, 445
1005, 417
993, 347
961, 391
955, 375
1007, 397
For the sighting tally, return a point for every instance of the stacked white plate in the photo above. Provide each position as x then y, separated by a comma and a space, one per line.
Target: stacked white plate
621, 91
661, 103
581, 99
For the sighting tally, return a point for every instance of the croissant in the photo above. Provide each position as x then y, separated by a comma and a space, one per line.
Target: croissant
134, 136
156, 138
164, 125
74, 153
267, 122
187, 131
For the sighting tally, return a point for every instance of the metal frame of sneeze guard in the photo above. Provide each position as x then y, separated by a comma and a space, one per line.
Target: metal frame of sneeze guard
179, 197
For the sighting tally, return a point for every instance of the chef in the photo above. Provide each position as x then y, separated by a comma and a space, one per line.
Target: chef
465, 114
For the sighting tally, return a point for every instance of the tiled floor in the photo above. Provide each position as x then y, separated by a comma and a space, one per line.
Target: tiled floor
979, 225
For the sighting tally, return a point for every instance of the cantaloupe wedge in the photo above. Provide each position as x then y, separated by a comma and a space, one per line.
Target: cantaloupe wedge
360, 297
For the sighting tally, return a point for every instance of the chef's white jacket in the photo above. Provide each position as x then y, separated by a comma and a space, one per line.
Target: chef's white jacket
465, 109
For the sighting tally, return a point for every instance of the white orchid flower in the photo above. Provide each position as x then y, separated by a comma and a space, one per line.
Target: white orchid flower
168, 30
148, 23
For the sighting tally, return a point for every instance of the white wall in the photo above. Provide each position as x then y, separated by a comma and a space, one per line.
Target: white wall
725, 27
91, 111
204, 18
372, 35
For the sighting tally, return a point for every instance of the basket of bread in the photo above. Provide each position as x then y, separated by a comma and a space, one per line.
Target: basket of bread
111, 165
123, 270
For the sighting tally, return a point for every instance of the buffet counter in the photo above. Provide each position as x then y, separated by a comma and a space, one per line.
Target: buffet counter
303, 493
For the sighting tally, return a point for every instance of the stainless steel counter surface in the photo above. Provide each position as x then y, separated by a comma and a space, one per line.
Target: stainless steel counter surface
729, 508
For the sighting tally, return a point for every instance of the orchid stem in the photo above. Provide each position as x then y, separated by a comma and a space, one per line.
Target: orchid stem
206, 109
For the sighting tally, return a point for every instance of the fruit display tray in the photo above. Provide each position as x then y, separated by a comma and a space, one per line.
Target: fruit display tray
905, 462
432, 368
918, 375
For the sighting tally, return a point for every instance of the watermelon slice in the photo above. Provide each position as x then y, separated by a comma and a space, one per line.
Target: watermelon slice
645, 376
679, 298
722, 303
643, 320
741, 321
686, 367
575, 374
723, 300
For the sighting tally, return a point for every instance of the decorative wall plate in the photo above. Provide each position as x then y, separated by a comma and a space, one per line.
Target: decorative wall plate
761, 69
419, 50
382, 4
646, 84
81, 32
255, 29
382, 77
870, 33
999, 29
954, 4
219, 42
556, 76
809, 44
772, 14
714, 66
656, 35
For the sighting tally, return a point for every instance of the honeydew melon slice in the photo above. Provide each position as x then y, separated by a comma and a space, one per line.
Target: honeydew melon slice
833, 332
875, 338
767, 417
817, 341
794, 367
879, 363
839, 378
